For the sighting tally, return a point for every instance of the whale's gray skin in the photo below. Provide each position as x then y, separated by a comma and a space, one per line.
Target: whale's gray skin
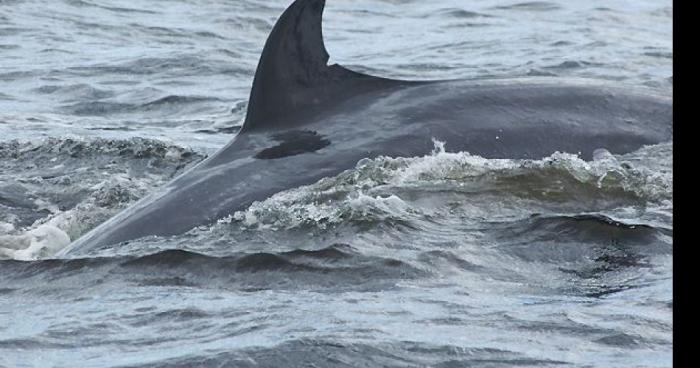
307, 120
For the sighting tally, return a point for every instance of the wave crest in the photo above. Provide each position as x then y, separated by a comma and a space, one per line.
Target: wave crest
395, 189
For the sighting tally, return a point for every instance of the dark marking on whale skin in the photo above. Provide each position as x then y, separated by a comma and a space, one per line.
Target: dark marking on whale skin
292, 143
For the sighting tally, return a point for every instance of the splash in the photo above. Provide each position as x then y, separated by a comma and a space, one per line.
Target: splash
394, 189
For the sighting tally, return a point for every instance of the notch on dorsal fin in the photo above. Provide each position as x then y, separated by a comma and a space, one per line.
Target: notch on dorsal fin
293, 77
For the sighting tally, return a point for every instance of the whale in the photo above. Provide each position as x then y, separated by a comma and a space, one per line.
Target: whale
307, 120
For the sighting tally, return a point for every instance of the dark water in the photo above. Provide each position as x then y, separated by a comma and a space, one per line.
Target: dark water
446, 260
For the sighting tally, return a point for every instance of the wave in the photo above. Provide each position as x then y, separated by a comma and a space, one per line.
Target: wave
457, 13
76, 92
172, 102
85, 3
531, 6
592, 227
51, 149
53, 190
341, 266
393, 190
338, 353
179, 65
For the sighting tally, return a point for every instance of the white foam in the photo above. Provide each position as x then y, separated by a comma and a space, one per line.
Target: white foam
34, 244
373, 190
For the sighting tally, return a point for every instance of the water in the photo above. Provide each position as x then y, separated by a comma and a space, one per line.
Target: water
443, 260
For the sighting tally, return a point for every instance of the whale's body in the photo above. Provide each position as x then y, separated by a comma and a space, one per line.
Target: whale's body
307, 120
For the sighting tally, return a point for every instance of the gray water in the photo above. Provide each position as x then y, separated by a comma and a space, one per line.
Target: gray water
445, 260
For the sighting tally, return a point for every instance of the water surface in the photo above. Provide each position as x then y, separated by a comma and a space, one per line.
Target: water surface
445, 260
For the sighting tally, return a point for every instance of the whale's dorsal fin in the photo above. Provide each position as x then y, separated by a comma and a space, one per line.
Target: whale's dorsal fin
293, 76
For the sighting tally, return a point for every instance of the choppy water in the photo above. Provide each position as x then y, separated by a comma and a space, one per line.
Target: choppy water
446, 260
